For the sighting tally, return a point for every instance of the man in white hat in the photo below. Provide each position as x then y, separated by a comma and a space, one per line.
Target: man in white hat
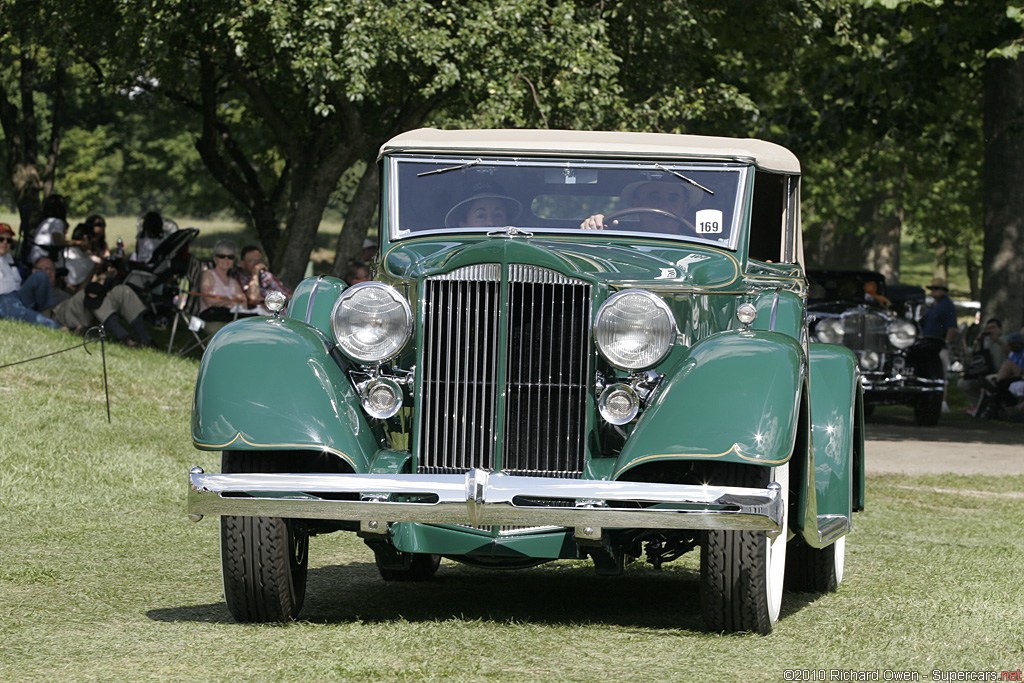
369, 249
673, 197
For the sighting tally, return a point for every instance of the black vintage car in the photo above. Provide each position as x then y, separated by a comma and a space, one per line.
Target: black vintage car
855, 308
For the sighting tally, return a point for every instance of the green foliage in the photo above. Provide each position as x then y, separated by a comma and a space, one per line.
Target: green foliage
90, 162
879, 98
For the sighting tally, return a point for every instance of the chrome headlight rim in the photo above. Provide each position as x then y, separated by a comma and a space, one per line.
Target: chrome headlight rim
616, 390
368, 390
385, 352
902, 338
618, 360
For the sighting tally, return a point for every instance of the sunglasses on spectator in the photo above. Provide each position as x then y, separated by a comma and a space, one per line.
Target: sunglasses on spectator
230, 256
9, 240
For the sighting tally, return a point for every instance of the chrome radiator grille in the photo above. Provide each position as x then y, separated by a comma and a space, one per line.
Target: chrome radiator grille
543, 397
865, 331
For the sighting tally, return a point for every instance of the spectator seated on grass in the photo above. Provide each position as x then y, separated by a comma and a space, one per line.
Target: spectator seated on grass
94, 304
996, 397
22, 300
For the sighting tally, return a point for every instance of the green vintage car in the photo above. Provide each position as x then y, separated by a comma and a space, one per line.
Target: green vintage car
576, 345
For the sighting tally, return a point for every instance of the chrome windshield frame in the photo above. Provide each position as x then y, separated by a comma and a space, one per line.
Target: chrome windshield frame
455, 163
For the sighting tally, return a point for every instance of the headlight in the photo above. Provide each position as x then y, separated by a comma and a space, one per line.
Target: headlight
634, 329
902, 333
371, 322
830, 331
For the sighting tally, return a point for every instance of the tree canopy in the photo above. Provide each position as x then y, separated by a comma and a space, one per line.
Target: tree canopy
906, 113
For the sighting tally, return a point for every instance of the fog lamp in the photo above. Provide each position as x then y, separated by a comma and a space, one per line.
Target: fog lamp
618, 404
381, 397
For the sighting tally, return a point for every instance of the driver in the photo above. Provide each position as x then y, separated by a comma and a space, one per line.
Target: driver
674, 197
485, 206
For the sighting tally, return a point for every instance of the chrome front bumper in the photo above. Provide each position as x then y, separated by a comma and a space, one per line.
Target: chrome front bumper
482, 498
902, 384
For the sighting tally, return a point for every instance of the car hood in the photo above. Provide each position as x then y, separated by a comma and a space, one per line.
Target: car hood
612, 260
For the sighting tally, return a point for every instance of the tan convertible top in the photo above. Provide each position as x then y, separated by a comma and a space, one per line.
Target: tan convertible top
766, 155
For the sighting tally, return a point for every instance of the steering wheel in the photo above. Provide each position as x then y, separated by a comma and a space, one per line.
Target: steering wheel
646, 209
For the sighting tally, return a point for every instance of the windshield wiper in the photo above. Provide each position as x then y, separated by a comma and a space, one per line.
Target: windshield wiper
679, 175
450, 168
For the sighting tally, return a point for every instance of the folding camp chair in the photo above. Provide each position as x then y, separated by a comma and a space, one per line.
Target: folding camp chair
186, 308
170, 259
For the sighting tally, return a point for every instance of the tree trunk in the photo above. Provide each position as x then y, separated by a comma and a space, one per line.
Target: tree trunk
1003, 258
880, 246
973, 271
358, 220
940, 267
20, 138
312, 184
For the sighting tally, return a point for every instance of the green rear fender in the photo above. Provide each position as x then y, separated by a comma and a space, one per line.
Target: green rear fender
734, 397
271, 383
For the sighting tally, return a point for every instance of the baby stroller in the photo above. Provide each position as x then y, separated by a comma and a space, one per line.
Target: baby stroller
153, 280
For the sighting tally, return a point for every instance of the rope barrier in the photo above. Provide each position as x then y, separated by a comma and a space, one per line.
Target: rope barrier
92, 335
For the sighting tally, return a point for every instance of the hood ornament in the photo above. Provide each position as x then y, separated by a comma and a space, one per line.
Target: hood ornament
510, 231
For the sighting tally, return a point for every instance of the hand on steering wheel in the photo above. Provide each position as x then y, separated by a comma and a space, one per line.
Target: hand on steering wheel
598, 221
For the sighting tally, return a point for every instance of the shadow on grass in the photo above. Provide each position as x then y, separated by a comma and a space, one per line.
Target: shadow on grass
556, 595
896, 423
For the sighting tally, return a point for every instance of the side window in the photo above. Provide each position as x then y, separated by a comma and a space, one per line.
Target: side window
767, 217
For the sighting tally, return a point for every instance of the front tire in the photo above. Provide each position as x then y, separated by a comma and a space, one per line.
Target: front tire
264, 560
815, 570
742, 572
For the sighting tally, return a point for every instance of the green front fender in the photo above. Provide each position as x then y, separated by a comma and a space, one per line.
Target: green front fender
837, 436
734, 397
270, 383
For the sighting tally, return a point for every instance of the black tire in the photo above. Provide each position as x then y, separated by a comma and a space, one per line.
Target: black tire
814, 570
928, 409
740, 578
264, 560
422, 568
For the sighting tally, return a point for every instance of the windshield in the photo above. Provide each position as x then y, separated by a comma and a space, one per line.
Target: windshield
690, 201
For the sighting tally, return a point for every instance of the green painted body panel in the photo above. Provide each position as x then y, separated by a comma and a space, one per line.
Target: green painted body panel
324, 292
608, 258
424, 538
267, 383
834, 430
733, 398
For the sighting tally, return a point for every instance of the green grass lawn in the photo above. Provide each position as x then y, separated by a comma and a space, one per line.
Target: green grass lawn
102, 576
